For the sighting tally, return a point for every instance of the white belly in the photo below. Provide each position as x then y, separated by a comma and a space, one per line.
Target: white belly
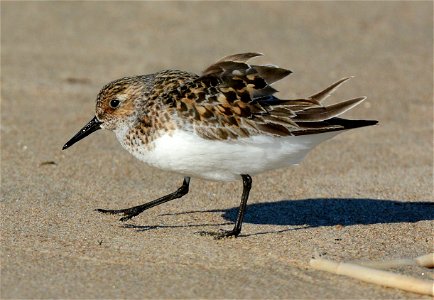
190, 155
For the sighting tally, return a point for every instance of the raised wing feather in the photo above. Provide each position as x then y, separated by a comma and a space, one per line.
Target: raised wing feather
233, 99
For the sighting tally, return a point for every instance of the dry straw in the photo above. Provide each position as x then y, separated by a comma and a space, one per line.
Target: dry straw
369, 272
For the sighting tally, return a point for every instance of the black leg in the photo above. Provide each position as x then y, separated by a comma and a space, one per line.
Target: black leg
136, 210
247, 185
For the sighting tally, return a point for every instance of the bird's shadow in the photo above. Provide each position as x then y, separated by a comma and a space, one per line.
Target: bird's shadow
335, 211
319, 212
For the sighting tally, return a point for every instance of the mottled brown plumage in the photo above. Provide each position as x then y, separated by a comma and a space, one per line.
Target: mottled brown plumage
229, 100
232, 99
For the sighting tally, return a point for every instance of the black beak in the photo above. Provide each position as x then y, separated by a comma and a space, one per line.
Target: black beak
90, 127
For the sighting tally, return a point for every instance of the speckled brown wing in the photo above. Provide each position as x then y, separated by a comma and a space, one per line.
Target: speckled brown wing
233, 99
220, 104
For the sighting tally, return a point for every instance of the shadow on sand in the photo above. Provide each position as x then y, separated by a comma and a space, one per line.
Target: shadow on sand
331, 212
321, 212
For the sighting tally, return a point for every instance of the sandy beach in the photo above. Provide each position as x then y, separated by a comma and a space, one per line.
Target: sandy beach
364, 195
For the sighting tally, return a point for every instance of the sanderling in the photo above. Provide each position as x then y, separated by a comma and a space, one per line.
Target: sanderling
225, 124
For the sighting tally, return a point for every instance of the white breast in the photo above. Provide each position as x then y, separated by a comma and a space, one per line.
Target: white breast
188, 154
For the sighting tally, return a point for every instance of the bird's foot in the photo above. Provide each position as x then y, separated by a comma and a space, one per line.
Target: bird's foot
127, 212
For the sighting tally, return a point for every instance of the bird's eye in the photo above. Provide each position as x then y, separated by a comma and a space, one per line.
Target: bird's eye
114, 103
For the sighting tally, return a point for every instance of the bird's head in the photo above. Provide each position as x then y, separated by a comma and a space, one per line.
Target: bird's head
116, 106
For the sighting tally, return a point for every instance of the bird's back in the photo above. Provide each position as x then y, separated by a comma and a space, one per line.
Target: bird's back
232, 100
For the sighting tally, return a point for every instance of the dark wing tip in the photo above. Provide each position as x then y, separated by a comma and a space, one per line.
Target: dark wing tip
350, 124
